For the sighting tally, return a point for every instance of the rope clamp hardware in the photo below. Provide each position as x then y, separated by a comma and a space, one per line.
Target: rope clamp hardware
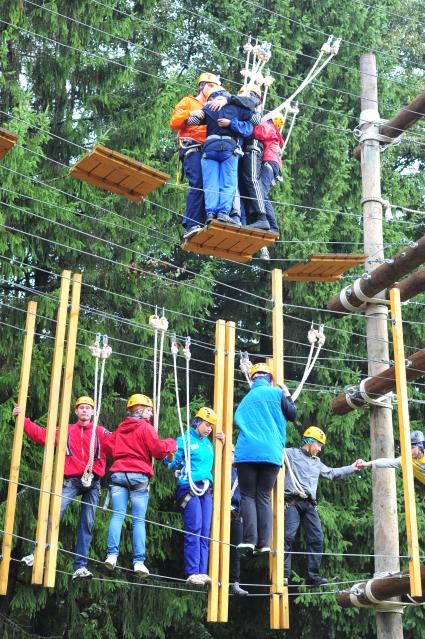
186, 349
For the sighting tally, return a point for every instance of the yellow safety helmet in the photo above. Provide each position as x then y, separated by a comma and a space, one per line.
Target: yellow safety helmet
84, 399
255, 88
207, 415
278, 120
209, 77
138, 398
262, 367
315, 433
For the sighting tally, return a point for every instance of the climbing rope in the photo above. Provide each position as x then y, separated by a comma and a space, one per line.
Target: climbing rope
196, 490
293, 110
158, 324
245, 365
297, 488
317, 338
98, 352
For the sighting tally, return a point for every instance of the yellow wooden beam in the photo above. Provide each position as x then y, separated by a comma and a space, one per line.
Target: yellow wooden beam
55, 500
406, 451
15, 461
220, 343
279, 608
52, 415
226, 475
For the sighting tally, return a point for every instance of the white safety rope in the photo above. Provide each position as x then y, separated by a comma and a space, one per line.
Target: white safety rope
317, 338
294, 479
98, 352
245, 365
294, 110
186, 440
261, 54
158, 324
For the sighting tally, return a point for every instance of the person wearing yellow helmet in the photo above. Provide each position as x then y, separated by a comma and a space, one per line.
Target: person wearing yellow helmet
191, 139
76, 459
261, 418
304, 468
193, 464
132, 446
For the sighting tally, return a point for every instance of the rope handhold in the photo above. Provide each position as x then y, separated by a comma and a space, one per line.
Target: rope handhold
317, 338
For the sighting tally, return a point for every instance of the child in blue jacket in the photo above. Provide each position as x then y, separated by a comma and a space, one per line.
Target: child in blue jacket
194, 492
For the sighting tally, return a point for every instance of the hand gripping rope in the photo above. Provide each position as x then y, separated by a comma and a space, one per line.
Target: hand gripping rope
317, 338
186, 442
245, 365
158, 324
98, 352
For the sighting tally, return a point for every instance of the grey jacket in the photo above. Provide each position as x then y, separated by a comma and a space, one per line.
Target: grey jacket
308, 470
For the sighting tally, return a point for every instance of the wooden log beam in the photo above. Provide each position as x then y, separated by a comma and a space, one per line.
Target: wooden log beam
402, 121
384, 276
382, 384
381, 588
412, 285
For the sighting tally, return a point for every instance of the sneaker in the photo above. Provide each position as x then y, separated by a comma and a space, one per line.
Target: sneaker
195, 580
264, 253
111, 562
207, 579
263, 550
82, 573
224, 218
236, 590
261, 225
210, 218
245, 549
28, 560
316, 581
191, 230
141, 570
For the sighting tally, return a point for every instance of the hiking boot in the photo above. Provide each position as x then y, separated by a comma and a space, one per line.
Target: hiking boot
264, 253
236, 590
245, 549
191, 230
260, 225
82, 573
141, 570
111, 562
316, 581
28, 560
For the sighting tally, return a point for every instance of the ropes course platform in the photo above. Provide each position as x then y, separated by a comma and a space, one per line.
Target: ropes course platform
323, 268
118, 173
7, 141
236, 243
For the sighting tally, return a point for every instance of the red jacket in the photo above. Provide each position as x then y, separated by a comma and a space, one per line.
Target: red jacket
77, 446
269, 135
133, 445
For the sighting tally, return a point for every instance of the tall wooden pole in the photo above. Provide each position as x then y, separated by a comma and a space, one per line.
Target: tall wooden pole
220, 342
52, 415
55, 500
15, 461
406, 452
389, 625
279, 607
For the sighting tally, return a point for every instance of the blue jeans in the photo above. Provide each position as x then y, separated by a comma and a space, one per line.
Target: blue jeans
269, 172
197, 514
302, 512
72, 487
139, 503
220, 179
195, 206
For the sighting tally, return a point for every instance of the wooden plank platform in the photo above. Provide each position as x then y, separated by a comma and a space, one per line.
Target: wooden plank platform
323, 268
7, 141
228, 241
118, 173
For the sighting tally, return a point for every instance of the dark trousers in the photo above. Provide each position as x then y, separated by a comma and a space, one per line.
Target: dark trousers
251, 187
195, 205
302, 512
269, 172
72, 487
197, 514
256, 481
236, 536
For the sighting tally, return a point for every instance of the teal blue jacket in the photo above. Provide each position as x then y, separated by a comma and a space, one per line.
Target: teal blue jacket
201, 458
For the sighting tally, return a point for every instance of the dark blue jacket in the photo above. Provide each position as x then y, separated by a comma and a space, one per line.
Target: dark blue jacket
240, 126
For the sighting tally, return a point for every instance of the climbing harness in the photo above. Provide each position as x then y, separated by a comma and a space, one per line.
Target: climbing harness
194, 489
317, 338
158, 324
99, 352
297, 488
245, 365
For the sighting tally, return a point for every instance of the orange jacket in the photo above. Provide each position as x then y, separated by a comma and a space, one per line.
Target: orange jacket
180, 115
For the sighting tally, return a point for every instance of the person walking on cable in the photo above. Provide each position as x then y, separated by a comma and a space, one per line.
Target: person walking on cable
76, 461
304, 468
236, 535
132, 446
194, 460
261, 417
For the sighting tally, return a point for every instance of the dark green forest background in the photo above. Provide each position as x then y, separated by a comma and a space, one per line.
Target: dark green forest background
112, 75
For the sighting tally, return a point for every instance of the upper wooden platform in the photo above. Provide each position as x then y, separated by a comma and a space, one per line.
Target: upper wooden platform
323, 268
228, 241
118, 173
7, 140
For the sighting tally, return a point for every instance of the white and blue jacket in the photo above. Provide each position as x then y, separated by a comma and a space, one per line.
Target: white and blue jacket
201, 459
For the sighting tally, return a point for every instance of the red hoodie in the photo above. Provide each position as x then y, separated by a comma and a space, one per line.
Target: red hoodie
77, 446
269, 135
133, 445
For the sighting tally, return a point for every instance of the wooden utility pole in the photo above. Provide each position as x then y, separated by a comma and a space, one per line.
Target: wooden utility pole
389, 624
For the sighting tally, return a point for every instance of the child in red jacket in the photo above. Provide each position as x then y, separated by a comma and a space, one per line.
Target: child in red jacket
269, 134
132, 447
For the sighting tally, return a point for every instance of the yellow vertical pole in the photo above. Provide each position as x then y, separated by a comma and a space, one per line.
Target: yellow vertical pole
279, 608
15, 461
220, 337
52, 414
406, 451
55, 500
226, 476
